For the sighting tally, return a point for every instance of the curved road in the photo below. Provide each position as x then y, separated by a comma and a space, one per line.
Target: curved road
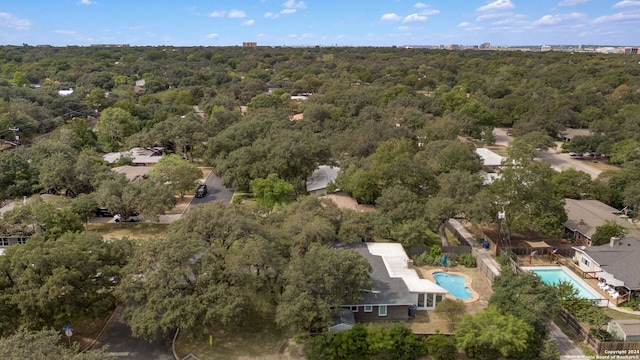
121, 344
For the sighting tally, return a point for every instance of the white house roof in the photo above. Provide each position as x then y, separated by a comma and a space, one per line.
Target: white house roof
489, 158
137, 155
321, 177
65, 92
397, 263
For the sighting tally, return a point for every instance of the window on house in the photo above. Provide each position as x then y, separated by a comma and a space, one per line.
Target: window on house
368, 308
354, 309
382, 310
439, 297
430, 301
585, 261
421, 300
4, 242
22, 240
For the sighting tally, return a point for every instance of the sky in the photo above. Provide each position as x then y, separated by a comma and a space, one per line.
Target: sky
320, 22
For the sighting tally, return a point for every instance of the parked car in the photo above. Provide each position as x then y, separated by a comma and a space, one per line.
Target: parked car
133, 217
103, 212
201, 191
575, 154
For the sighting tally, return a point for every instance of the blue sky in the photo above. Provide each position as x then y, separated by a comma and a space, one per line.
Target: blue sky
314, 22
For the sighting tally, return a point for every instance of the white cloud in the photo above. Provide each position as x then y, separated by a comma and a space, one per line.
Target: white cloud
497, 5
617, 17
87, 2
414, 18
237, 14
288, 11
567, 3
12, 21
626, 3
492, 16
554, 19
292, 4
248, 23
271, 15
464, 24
211, 36
420, 5
218, 14
403, 28
390, 17
429, 12
65, 32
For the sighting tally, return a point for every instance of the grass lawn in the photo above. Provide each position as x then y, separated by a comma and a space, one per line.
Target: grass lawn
262, 340
601, 165
618, 315
453, 241
131, 230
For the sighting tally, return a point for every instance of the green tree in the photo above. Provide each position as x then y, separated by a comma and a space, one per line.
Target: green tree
606, 231
44, 344
50, 283
84, 205
114, 126
180, 175
52, 218
441, 347
272, 190
452, 311
489, 335
317, 281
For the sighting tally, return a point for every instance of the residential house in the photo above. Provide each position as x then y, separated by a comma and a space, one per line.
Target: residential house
397, 291
624, 330
139, 156
584, 216
569, 133
616, 262
490, 160
320, 178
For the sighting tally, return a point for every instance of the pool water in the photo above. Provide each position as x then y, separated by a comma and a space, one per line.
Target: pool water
455, 284
554, 276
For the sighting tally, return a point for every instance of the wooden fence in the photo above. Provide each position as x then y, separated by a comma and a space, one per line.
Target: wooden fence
601, 347
457, 250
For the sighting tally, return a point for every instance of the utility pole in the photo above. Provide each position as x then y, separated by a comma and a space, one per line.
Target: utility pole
15, 135
504, 240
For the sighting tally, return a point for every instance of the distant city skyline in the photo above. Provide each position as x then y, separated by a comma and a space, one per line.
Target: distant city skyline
325, 23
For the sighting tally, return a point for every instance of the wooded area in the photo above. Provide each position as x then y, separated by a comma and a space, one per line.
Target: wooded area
388, 117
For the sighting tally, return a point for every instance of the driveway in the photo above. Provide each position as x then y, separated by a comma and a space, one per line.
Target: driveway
215, 192
122, 345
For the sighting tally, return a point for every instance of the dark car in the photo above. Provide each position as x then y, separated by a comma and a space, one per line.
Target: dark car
103, 212
201, 191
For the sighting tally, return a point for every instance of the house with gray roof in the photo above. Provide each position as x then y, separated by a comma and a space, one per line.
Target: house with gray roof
624, 330
320, 178
618, 263
584, 216
397, 291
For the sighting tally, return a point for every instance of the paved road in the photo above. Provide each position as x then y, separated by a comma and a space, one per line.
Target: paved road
557, 159
122, 345
562, 161
215, 192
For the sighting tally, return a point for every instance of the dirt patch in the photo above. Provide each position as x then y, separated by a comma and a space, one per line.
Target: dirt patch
181, 205
344, 201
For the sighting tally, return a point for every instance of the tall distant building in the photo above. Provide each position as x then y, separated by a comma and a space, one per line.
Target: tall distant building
545, 48
485, 45
249, 44
631, 50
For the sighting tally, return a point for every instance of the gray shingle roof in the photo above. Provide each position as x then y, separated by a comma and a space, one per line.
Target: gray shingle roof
585, 215
622, 260
384, 288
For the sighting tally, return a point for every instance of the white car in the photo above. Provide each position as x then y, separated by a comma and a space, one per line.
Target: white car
134, 217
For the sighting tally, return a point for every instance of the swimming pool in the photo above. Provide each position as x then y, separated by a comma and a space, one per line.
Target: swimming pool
455, 284
553, 275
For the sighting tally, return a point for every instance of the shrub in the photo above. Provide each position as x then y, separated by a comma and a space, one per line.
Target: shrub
467, 260
441, 347
601, 334
505, 256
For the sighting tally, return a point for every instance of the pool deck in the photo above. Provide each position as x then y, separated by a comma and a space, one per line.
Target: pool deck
467, 283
